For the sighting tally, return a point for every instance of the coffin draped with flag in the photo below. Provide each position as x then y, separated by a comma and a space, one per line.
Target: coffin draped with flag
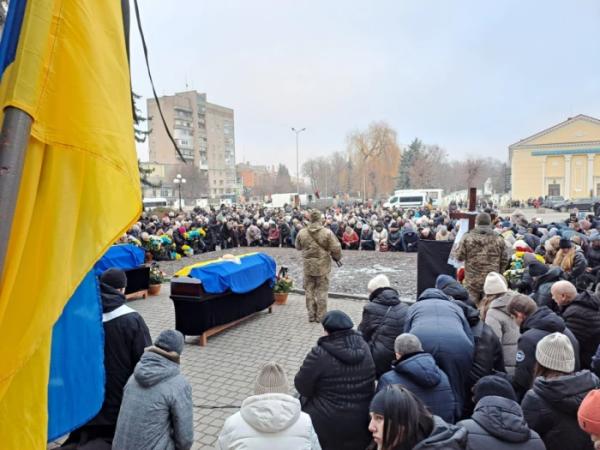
65, 64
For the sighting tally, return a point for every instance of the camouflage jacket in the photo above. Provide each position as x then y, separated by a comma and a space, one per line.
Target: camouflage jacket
483, 251
317, 258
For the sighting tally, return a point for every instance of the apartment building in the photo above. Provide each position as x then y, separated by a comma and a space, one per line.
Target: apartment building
205, 135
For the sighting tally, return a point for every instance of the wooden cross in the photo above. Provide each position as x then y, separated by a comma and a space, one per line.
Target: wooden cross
471, 214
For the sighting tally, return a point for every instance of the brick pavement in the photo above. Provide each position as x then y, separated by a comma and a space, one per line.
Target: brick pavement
223, 372
359, 267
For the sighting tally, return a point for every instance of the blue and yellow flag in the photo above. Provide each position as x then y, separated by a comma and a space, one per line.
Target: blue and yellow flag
65, 65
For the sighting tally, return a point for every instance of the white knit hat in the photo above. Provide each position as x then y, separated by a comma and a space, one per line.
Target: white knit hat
494, 284
379, 281
555, 352
271, 379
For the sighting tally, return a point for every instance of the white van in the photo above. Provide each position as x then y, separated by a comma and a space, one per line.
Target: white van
406, 200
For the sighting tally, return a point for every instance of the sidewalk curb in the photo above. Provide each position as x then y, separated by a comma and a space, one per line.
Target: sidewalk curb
348, 296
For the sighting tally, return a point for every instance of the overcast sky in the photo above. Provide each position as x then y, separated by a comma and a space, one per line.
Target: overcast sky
471, 76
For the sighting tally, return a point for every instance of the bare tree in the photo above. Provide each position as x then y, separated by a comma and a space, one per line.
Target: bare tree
368, 146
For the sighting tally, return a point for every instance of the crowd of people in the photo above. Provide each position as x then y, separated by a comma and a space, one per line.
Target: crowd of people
174, 235
506, 355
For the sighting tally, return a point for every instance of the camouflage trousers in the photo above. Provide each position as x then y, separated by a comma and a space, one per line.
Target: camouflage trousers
475, 291
316, 289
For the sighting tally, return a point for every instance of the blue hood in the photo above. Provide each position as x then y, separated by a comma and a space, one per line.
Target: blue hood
420, 368
433, 293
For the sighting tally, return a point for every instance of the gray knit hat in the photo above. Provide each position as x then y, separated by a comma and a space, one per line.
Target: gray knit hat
483, 219
407, 343
271, 379
170, 341
555, 352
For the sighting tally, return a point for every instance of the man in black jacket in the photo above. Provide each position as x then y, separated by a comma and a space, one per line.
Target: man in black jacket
382, 321
543, 278
336, 383
581, 314
125, 338
487, 357
535, 323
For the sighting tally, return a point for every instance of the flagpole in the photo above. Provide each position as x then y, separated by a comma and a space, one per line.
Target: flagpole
14, 138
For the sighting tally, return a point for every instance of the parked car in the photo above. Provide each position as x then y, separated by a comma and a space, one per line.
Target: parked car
582, 204
552, 200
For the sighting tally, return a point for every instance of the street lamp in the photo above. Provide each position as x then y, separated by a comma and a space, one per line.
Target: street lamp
297, 163
179, 180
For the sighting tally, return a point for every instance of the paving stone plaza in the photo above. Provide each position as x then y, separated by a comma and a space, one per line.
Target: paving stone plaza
222, 373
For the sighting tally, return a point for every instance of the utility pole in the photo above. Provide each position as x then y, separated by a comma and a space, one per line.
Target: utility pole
297, 159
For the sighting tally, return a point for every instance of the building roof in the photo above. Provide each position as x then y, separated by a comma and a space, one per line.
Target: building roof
570, 120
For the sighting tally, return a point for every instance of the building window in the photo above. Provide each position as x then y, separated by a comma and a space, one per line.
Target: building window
220, 191
220, 182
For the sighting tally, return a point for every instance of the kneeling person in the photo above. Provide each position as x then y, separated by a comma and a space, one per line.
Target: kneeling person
417, 371
271, 418
157, 401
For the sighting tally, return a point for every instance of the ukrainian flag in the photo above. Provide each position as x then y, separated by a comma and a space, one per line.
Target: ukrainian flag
64, 63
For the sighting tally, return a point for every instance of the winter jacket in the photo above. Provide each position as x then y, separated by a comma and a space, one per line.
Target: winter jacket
157, 410
582, 317
419, 373
268, 421
457, 291
445, 333
125, 338
593, 257
579, 265
380, 237
541, 287
382, 321
498, 424
498, 319
444, 437
550, 408
253, 234
318, 245
537, 326
349, 239
487, 356
336, 383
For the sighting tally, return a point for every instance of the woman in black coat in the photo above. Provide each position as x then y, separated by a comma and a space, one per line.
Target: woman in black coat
550, 407
382, 321
336, 383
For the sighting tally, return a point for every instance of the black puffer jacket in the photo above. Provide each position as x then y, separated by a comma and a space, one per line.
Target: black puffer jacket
582, 317
537, 326
382, 321
125, 338
541, 287
550, 408
498, 424
336, 383
488, 356
444, 437
593, 257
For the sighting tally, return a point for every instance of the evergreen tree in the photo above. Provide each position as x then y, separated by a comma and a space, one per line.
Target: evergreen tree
140, 136
410, 155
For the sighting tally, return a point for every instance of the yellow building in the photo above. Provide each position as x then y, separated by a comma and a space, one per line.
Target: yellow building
561, 160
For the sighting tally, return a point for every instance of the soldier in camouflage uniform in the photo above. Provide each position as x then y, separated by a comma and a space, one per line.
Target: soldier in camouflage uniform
483, 251
318, 245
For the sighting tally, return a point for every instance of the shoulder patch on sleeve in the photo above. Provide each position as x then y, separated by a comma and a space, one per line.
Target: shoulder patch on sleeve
520, 356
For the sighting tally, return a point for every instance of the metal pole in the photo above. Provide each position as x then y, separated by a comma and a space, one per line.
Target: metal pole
297, 167
14, 138
179, 185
